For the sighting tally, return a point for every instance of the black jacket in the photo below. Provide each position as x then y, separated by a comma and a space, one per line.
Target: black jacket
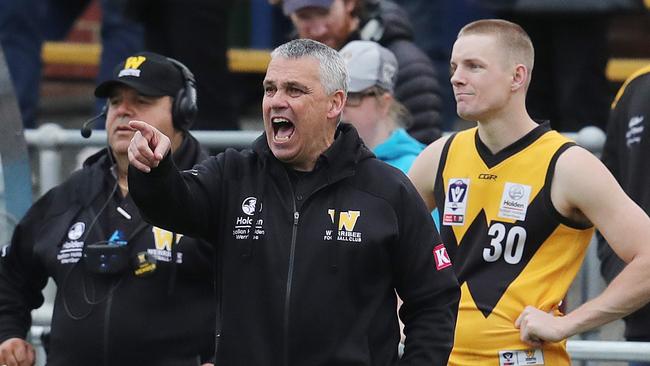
296, 292
165, 317
417, 84
626, 156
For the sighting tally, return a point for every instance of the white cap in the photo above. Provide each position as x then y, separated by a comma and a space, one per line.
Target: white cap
369, 64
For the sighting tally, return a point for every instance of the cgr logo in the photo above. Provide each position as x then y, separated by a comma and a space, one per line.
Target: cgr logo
487, 176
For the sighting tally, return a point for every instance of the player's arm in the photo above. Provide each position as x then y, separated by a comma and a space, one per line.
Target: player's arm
424, 169
584, 189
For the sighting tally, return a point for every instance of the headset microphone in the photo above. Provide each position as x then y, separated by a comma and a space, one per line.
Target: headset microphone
86, 128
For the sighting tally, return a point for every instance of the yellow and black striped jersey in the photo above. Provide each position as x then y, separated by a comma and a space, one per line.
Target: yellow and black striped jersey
509, 245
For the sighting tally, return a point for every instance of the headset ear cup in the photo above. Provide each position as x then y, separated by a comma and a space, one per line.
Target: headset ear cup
178, 117
185, 105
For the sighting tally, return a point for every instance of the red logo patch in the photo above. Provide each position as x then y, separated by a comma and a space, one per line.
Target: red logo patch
441, 257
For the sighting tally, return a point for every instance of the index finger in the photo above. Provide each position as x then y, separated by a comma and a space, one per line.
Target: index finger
145, 129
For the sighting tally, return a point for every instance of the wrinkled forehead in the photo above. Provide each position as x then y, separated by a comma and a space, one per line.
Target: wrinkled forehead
304, 70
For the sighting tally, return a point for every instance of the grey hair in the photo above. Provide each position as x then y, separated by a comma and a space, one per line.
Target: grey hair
332, 69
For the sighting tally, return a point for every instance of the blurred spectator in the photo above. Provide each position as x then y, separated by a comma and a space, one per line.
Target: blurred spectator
25, 24
337, 22
371, 107
175, 28
570, 87
625, 154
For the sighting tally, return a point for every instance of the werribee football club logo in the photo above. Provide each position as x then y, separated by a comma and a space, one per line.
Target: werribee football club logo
347, 220
131, 66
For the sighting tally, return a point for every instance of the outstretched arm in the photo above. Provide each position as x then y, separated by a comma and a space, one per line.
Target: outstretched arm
182, 202
584, 188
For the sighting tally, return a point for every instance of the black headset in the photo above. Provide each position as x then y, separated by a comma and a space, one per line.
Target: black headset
185, 106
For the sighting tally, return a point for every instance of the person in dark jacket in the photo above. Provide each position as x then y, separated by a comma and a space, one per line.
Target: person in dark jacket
315, 236
128, 293
337, 22
625, 155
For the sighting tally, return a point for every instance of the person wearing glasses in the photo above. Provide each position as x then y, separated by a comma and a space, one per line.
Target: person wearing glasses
371, 106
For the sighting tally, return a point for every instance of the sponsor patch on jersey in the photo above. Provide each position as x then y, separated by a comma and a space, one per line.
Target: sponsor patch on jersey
521, 357
456, 202
514, 201
441, 257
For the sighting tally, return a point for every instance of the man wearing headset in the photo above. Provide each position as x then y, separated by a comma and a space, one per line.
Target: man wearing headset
128, 293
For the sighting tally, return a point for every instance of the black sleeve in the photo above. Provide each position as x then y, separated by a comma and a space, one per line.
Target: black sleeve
22, 276
426, 283
183, 202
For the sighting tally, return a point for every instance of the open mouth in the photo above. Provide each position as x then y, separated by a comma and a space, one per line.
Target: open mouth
282, 129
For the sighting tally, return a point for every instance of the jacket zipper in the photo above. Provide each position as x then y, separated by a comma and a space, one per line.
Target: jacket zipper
287, 300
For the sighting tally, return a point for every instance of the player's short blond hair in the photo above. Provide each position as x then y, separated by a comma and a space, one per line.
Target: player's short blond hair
511, 37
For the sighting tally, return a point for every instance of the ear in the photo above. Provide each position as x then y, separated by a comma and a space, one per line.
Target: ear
336, 104
520, 77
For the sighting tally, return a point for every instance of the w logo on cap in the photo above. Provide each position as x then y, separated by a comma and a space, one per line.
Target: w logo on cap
134, 62
131, 66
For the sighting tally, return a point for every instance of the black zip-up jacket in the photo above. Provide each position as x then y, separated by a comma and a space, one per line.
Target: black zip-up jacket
166, 317
295, 290
417, 85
